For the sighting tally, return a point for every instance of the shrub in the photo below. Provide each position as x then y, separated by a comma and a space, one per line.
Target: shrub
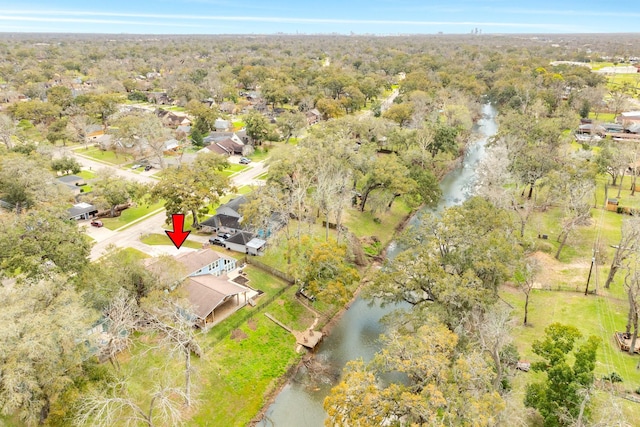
613, 377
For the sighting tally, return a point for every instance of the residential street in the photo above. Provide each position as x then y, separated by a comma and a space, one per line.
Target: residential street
93, 165
130, 237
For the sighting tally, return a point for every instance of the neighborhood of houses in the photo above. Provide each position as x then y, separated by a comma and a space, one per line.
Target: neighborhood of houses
626, 128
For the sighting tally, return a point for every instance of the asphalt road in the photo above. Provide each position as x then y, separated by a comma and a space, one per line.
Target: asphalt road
130, 237
92, 165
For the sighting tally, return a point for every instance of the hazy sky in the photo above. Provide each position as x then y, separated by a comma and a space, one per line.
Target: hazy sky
323, 16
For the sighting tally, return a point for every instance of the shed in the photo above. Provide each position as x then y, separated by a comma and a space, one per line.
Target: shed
612, 205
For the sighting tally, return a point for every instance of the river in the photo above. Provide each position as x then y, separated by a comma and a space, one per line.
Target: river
356, 333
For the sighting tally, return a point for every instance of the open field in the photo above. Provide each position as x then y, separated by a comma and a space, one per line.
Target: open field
599, 315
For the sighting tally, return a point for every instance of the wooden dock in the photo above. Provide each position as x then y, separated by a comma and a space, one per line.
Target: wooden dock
624, 343
308, 339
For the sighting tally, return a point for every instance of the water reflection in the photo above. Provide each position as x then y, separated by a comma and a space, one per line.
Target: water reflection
356, 334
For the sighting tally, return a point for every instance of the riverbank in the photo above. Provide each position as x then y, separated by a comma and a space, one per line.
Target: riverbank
330, 324
355, 330
371, 268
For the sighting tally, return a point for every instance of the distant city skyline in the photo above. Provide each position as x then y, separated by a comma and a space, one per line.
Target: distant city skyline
330, 16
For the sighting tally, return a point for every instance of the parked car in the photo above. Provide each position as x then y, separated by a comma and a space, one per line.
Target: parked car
244, 161
217, 240
224, 236
97, 223
136, 166
148, 168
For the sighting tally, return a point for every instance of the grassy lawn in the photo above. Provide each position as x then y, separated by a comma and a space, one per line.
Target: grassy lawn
238, 124
236, 167
365, 224
561, 297
263, 176
259, 154
233, 169
625, 199
240, 373
105, 156
86, 175
603, 117
233, 379
130, 215
163, 239
173, 108
617, 80
593, 315
134, 253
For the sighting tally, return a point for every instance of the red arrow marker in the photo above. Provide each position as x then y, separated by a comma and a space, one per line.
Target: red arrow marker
178, 235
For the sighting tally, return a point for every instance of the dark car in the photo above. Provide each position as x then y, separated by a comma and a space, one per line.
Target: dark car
148, 168
217, 241
97, 223
224, 236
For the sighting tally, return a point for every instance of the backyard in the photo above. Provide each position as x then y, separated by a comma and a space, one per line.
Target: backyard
245, 357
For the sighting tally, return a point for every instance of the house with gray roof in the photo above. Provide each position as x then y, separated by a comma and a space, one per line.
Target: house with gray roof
246, 243
82, 211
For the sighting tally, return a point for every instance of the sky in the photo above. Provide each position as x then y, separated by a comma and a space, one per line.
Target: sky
324, 16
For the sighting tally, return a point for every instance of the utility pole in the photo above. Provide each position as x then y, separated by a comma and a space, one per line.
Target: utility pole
593, 261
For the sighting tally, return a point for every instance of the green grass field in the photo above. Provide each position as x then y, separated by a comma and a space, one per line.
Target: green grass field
163, 239
233, 379
364, 223
86, 175
603, 117
105, 156
130, 215
600, 315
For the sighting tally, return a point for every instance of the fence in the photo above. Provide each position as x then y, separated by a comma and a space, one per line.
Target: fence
271, 270
224, 328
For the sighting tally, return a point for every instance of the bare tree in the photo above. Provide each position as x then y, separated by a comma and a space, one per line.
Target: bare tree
177, 326
494, 333
632, 287
7, 130
575, 193
116, 406
121, 318
629, 243
498, 185
332, 190
79, 125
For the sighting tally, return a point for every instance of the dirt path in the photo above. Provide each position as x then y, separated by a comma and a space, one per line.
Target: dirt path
553, 272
